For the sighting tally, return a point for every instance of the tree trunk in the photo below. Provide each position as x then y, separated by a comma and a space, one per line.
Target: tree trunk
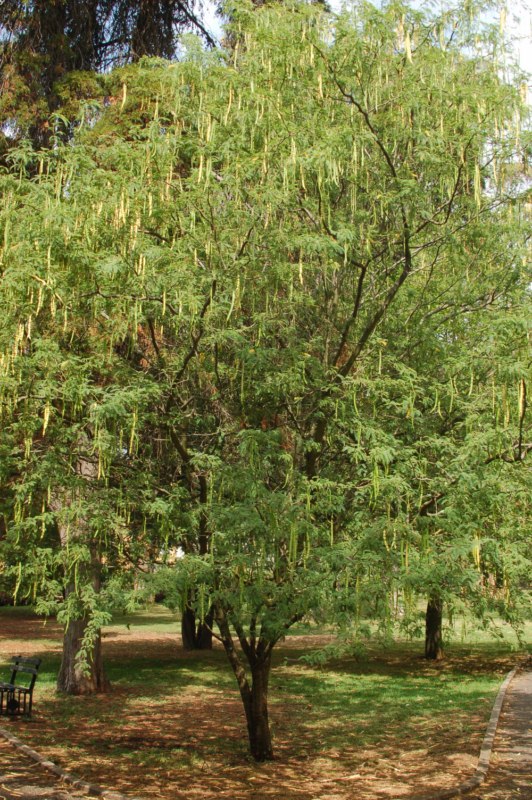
256, 708
196, 635
254, 696
73, 678
433, 625
76, 676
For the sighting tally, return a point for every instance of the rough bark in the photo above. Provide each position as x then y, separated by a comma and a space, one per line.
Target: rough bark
73, 678
433, 629
256, 708
255, 694
76, 677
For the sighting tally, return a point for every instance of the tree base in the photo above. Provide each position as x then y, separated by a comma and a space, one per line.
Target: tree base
75, 678
433, 630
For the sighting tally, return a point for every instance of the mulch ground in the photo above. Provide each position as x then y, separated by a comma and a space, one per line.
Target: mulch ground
194, 746
23, 779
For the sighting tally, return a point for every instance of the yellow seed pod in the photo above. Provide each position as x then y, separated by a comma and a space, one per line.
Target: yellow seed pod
408, 50
522, 398
475, 551
46, 417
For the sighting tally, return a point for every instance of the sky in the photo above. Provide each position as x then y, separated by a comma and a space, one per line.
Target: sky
521, 28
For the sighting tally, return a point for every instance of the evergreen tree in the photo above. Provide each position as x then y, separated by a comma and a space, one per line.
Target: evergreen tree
49, 50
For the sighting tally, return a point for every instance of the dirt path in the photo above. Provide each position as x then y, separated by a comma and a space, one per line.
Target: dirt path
510, 772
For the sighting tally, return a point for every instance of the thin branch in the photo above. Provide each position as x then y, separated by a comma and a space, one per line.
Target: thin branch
196, 337
194, 20
154, 340
352, 318
372, 324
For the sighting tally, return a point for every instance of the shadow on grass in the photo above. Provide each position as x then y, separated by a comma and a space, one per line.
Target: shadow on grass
173, 714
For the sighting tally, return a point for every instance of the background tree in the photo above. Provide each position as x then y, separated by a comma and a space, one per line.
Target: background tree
449, 419
50, 50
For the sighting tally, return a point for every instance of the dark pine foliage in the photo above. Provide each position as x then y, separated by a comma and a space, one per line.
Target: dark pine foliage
44, 43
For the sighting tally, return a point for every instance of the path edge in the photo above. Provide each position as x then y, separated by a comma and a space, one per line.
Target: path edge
486, 749
77, 783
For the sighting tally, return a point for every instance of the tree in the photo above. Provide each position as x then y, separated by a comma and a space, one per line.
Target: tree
49, 52
221, 259
448, 514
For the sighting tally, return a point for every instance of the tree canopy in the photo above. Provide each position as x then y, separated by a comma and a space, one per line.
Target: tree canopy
270, 307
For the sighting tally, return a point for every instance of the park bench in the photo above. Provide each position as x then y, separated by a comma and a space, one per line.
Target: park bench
16, 699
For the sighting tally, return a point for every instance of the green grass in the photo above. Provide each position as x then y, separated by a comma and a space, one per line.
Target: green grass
390, 699
375, 702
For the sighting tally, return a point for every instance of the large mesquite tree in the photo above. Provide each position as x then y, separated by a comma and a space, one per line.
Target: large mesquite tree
221, 290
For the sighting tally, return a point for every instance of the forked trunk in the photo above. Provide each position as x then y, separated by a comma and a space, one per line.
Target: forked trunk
196, 635
433, 629
255, 695
74, 677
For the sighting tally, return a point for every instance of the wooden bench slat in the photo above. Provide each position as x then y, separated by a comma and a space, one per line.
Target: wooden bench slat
27, 670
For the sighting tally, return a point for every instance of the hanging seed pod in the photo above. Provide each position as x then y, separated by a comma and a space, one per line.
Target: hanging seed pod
46, 417
375, 480
471, 384
306, 549
292, 546
475, 551
17, 583
133, 431
522, 399
408, 50
242, 392
477, 186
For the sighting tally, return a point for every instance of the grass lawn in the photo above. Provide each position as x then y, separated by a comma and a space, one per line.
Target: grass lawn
173, 727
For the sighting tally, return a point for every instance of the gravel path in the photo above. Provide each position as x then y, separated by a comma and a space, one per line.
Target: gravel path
510, 772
